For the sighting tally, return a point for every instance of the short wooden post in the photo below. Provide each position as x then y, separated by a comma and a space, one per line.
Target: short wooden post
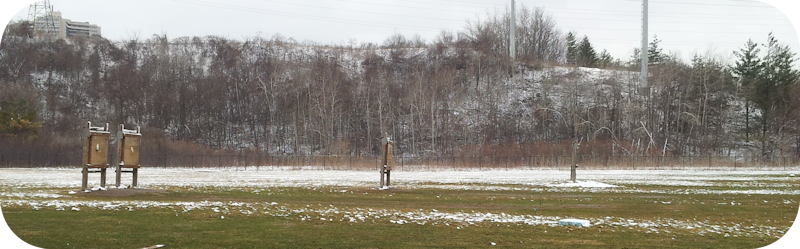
85, 178
381, 170
135, 177
103, 177
119, 174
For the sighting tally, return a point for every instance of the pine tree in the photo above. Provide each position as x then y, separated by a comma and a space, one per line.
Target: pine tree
655, 56
605, 60
771, 90
17, 119
747, 71
587, 57
572, 49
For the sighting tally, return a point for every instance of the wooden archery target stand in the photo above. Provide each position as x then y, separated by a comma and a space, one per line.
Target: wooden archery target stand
386, 161
128, 143
95, 153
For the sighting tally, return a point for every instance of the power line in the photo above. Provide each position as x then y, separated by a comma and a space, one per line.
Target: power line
618, 20
302, 16
361, 11
681, 15
469, 2
408, 7
772, 2
711, 4
677, 31
450, 4
727, 44
444, 19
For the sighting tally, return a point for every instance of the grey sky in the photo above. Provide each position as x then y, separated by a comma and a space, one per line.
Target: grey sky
685, 27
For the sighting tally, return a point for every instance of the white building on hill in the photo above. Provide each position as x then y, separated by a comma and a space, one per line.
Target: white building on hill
61, 28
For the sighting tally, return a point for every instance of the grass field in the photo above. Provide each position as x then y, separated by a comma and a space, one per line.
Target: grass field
471, 209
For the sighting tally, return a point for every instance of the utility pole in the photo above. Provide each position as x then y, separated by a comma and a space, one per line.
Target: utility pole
512, 30
643, 52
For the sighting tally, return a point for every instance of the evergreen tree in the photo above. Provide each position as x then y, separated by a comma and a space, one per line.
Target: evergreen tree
587, 57
17, 119
777, 77
747, 71
636, 58
655, 56
605, 60
572, 48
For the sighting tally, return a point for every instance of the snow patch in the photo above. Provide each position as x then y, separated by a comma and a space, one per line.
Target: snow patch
574, 222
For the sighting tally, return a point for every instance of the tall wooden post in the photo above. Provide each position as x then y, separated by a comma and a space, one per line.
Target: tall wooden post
386, 160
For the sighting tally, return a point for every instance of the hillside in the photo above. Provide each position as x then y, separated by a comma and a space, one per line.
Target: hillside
452, 96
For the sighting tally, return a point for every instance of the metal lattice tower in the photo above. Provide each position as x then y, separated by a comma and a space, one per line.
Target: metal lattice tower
512, 50
41, 18
644, 51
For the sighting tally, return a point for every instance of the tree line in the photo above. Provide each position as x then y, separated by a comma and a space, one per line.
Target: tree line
458, 94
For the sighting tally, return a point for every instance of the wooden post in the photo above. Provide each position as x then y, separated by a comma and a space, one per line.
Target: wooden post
385, 167
135, 177
119, 175
120, 154
85, 162
103, 177
85, 179
380, 169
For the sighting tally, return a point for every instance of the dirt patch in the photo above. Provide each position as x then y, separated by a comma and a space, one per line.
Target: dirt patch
124, 192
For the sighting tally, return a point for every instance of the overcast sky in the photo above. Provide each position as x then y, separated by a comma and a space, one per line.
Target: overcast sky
685, 27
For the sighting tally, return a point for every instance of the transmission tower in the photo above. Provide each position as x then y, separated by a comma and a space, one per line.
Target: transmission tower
512, 50
40, 16
644, 52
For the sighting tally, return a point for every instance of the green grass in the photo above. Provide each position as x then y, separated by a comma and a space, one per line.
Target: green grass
204, 228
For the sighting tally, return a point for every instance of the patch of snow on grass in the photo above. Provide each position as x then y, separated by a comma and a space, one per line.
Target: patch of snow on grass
574, 222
